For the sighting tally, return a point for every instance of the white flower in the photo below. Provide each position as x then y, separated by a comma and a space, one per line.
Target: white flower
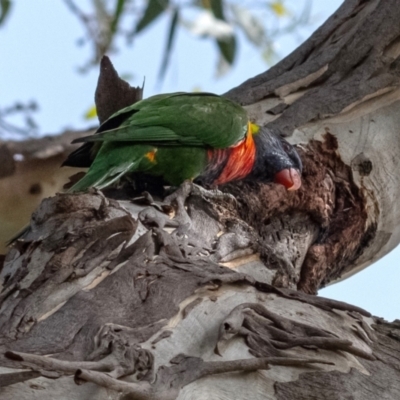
207, 25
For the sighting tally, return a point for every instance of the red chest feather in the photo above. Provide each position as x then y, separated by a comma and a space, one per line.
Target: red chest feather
239, 163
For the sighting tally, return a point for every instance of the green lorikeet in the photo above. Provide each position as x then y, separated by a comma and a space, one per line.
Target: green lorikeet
201, 137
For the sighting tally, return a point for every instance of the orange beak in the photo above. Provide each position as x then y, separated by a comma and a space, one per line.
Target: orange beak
290, 178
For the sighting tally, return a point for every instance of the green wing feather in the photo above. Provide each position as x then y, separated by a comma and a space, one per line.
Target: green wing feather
154, 135
177, 119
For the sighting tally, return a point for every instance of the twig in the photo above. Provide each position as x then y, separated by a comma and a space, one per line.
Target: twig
36, 362
140, 391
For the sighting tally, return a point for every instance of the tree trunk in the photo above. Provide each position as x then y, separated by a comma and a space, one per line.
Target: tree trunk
107, 298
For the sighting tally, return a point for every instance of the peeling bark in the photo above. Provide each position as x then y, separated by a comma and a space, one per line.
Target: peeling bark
29, 172
190, 297
98, 307
385, 382
344, 80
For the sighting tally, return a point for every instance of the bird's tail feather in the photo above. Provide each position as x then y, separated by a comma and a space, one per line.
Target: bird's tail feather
100, 178
81, 157
112, 162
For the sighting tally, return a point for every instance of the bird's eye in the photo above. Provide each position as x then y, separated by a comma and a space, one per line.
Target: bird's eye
286, 146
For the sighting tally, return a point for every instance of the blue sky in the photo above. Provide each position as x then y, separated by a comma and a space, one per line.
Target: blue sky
40, 57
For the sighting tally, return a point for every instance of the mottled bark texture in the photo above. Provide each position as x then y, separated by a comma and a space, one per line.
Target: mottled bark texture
29, 172
199, 296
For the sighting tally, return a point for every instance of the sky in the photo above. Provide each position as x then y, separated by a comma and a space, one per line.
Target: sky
40, 59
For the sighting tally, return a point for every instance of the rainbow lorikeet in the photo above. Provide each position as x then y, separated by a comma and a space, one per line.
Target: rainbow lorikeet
201, 137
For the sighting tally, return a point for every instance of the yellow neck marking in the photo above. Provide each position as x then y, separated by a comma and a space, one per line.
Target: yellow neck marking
253, 128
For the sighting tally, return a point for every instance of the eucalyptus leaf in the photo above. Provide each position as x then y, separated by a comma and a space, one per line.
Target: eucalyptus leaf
91, 113
228, 49
217, 8
154, 9
5, 6
223, 66
170, 41
117, 15
227, 45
